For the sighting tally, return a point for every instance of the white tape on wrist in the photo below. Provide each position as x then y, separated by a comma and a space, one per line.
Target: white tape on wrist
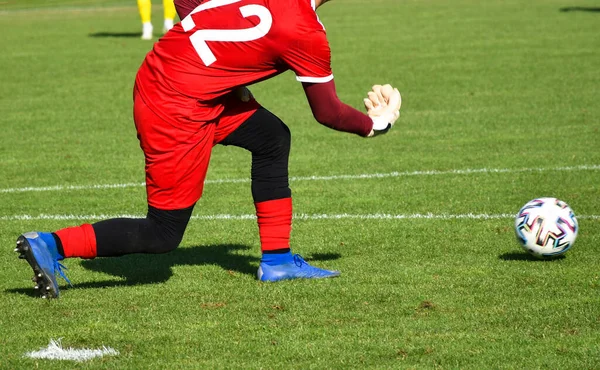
380, 123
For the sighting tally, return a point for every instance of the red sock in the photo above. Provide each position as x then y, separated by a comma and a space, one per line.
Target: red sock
78, 241
274, 223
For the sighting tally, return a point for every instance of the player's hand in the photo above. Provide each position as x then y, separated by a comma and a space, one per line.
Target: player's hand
380, 94
244, 94
383, 106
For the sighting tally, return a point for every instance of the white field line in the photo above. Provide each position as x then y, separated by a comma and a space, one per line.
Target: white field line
71, 187
55, 351
467, 171
300, 216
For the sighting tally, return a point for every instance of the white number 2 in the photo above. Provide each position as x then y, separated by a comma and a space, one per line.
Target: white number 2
200, 37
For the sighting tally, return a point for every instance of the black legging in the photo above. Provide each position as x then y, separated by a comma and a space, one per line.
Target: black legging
263, 134
269, 140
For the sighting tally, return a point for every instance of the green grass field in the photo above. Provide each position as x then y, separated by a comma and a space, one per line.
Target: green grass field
500, 106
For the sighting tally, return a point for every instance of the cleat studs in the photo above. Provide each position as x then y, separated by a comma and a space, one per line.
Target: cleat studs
16, 249
39, 275
20, 241
21, 256
47, 288
44, 296
36, 287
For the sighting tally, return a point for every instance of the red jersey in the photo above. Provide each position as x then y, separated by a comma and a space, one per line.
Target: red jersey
225, 44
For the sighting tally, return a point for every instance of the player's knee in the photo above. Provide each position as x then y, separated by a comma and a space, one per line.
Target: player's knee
281, 141
167, 228
167, 243
162, 240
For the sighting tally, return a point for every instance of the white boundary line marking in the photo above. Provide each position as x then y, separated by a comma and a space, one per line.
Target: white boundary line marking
70, 187
467, 171
55, 351
299, 216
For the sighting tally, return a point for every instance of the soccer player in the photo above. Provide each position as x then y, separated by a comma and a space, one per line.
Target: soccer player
145, 8
189, 95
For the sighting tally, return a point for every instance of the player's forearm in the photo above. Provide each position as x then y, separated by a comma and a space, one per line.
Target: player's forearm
331, 112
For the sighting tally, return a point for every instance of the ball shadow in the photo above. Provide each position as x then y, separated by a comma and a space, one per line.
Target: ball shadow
523, 256
590, 9
116, 34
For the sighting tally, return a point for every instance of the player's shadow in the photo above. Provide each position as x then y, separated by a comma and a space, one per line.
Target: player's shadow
116, 34
580, 9
157, 268
523, 256
138, 269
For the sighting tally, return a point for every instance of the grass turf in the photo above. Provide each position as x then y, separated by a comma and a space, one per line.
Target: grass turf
500, 85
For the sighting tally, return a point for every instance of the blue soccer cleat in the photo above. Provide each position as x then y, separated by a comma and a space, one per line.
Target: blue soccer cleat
298, 269
39, 249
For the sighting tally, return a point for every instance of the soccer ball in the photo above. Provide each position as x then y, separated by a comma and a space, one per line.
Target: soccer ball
546, 227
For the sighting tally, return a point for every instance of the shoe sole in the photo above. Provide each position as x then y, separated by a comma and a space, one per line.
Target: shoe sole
260, 275
43, 281
299, 278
